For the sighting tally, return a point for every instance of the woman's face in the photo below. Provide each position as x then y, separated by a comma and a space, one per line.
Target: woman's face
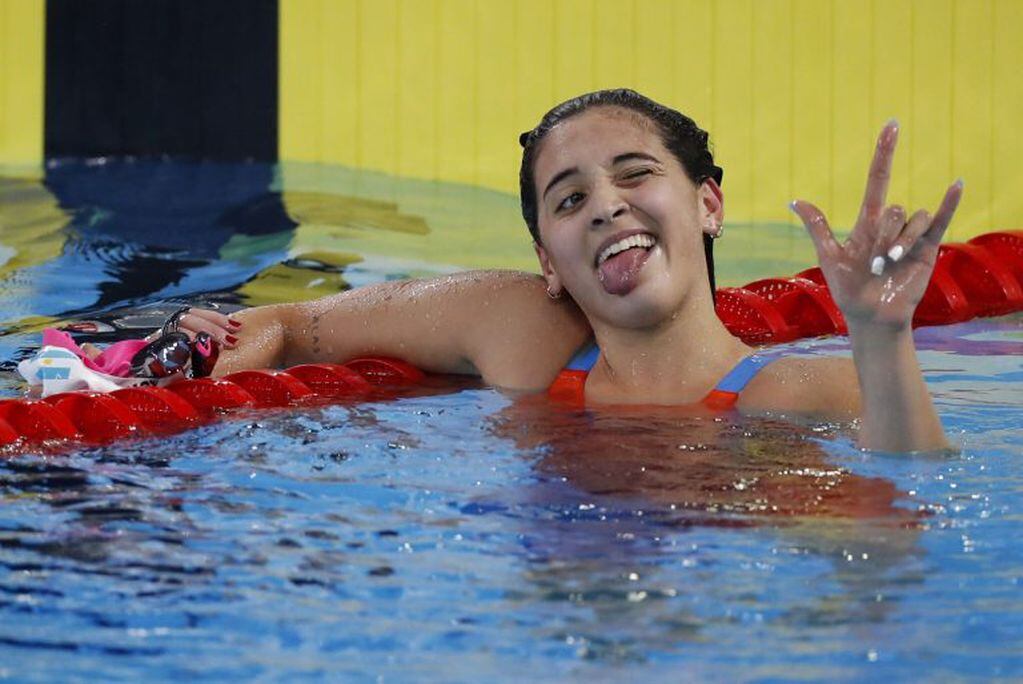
620, 221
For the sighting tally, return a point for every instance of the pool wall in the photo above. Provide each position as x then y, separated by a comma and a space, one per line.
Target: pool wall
793, 91
22, 30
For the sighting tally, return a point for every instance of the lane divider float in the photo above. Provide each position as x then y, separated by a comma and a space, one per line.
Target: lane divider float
94, 418
983, 277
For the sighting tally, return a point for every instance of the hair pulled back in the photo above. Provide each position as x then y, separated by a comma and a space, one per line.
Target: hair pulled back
679, 134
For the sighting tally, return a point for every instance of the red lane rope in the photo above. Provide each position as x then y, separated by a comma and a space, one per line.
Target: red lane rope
983, 277
92, 418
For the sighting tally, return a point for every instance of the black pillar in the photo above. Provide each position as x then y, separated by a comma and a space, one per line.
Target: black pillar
192, 78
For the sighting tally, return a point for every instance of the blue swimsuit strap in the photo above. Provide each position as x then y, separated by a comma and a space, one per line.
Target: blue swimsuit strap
735, 381
586, 358
744, 371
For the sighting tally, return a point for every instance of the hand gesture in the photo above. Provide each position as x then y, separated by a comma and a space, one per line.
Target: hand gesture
879, 274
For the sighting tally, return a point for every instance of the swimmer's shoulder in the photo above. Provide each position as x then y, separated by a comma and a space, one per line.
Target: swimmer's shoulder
522, 338
825, 386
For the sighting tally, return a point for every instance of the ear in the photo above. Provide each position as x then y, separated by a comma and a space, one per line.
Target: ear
547, 268
712, 202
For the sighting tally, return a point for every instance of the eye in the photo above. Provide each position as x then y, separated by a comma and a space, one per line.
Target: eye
636, 174
569, 202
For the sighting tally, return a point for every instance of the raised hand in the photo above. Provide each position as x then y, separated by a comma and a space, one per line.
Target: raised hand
879, 274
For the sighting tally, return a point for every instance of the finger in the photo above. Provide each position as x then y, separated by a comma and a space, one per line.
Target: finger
198, 320
946, 211
887, 229
907, 239
192, 324
216, 318
930, 229
817, 226
880, 171
892, 222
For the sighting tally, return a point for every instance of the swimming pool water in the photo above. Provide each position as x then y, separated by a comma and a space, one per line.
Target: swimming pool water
458, 533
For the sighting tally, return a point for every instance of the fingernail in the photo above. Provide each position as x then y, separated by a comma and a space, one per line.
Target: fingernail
892, 122
235, 323
231, 339
960, 182
877, 265
792, 206
895, 253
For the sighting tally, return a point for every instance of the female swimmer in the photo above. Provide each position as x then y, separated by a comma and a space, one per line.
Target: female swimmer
623, 200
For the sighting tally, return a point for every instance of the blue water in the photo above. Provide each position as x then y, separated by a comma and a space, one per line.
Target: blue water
460, 534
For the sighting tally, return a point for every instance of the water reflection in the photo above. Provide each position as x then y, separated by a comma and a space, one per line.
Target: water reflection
112, 246
143, 228
635, 492
693, 460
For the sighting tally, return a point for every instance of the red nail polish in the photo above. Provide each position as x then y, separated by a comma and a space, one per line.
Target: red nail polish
231, 339
235, 323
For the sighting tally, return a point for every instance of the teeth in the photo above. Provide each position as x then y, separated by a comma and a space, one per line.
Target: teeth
625, 243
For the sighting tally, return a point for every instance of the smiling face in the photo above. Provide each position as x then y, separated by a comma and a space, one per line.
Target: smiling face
621, 223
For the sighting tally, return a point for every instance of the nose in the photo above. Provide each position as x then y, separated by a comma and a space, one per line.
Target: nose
608, 206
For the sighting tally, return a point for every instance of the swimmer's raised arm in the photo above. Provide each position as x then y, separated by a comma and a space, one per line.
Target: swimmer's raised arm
498, 324
877, 278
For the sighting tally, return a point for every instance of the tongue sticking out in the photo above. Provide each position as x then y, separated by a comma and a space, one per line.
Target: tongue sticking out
618, 275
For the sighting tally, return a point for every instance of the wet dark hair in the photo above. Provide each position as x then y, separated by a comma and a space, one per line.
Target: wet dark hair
679, 134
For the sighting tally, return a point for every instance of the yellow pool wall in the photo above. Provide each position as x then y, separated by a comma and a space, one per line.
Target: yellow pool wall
22, 31
792, 91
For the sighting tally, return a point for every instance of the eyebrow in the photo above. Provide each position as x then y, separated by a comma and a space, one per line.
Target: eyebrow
558, 178
628, 156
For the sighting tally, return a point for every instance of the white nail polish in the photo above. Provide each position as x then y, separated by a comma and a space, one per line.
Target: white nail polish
877, 265
896, 252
